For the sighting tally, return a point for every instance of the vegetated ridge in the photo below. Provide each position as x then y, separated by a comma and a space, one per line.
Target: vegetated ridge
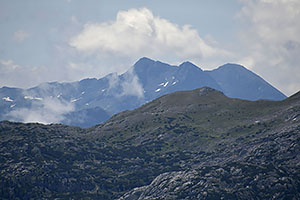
195, 144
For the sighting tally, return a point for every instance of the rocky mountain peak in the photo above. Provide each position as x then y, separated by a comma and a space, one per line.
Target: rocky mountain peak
232, 66
144, 61
188, 65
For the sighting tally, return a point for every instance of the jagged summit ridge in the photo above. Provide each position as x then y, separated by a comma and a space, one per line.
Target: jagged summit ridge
189, 65
143, 62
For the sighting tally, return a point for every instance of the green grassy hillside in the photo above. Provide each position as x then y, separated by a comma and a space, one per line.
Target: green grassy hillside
190, 134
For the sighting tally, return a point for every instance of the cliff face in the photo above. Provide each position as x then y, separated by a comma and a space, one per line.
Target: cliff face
184, 145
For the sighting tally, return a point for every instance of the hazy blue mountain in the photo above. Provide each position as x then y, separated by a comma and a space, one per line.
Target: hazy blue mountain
91, 101
159, 78
86, 118
239, 82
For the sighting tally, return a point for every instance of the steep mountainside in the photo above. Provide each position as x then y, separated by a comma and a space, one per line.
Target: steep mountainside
74, 103
185, 145
233, 80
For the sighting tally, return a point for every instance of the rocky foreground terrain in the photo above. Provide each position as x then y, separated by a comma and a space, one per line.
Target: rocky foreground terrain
195, 144
261, 169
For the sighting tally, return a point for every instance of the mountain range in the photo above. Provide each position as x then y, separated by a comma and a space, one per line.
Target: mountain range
196, 144
92, 101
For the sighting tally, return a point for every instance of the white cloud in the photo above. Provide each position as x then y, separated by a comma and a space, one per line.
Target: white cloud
23, 76
8, 65
12, 74
113, 81
128, 85
137, 32
49, 110
20, 35
44, 107
131, 85
272, 41
102, 48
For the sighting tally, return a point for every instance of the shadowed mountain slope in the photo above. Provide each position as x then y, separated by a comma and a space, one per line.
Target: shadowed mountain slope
236, 81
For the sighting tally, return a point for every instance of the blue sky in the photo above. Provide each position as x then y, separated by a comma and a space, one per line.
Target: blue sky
67, 40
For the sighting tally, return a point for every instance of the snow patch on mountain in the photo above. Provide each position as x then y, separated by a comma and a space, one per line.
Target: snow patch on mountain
7, 99
74, 100
164, 84
33, 98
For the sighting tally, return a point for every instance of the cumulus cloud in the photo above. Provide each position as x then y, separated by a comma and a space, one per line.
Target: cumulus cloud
20, 35
98, 49
137, 32
272, 41
44, 110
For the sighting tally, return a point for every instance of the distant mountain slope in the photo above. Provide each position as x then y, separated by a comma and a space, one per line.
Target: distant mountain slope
158, 78
86, 118
145, 81
238, 82
195, 144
